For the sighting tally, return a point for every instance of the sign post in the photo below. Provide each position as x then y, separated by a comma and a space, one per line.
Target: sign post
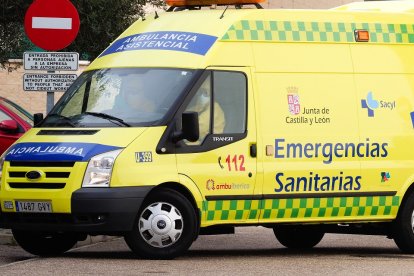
51, 61
51, 25
47, 82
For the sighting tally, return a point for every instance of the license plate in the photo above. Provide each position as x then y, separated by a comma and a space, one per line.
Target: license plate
34, 206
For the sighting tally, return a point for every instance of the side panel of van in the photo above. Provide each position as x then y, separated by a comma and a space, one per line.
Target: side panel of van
311, 135
320, 152
385, 84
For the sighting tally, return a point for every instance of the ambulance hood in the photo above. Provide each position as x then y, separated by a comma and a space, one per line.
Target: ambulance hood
70, 144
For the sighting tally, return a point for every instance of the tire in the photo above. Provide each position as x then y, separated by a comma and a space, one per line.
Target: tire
45, 244
403, 227
165, 226
298, 236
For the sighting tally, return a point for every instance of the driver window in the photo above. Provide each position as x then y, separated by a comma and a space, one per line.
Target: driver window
228, 92
201, 103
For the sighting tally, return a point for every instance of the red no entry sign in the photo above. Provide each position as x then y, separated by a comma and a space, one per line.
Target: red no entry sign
51, 24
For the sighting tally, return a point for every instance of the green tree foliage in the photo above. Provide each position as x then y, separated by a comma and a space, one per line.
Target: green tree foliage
101, 22
11, 28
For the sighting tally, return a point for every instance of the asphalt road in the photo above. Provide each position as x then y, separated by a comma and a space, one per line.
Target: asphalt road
251, 251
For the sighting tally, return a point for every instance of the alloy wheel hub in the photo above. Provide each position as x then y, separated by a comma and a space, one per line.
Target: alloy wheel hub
161, 224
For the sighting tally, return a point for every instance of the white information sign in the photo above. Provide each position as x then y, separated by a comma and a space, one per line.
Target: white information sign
51, 61
47, 82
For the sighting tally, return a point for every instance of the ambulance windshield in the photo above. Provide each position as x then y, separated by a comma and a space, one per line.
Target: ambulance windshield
120, 97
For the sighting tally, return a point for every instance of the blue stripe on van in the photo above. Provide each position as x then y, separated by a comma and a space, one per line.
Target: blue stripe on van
174, 41
56, 151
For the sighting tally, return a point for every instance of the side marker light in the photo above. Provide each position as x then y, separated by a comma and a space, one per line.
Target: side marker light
361, 35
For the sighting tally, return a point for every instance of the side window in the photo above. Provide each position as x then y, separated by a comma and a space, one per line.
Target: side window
230, 98
201, 103
228, 113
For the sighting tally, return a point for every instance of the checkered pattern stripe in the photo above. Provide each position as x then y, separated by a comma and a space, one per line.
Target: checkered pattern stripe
269, 209
231, 209
329, 207
333, 32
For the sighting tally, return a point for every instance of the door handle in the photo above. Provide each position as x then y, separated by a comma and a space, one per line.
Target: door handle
253, 150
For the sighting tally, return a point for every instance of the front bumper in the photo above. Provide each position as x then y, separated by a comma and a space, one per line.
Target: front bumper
94, 211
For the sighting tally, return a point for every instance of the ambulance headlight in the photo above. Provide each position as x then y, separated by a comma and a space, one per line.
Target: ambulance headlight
99, 170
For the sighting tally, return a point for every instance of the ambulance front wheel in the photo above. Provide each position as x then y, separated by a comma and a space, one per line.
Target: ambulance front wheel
44, 243
404, 226
298, 236
165, 227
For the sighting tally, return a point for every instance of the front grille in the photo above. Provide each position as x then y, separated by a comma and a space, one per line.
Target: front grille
17, 174
48, 174
54, 174
57, 174
37, 185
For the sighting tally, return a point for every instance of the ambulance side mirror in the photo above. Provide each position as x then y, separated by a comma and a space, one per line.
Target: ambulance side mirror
37, 118
190, 128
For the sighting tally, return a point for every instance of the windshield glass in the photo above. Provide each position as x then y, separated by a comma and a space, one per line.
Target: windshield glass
119, 97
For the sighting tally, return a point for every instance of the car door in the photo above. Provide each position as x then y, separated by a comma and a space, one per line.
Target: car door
222, 162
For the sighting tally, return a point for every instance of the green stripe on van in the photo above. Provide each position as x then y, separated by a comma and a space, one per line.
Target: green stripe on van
332, 32
301, 208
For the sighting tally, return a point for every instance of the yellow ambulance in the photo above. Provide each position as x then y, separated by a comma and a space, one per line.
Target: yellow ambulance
196, 121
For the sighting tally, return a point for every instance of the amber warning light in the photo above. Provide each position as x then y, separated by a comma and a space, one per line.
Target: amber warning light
179, 3
361, 35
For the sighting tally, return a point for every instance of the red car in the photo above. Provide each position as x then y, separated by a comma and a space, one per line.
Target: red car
14, 121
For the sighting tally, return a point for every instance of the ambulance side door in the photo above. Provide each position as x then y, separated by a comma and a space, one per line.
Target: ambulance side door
223, 162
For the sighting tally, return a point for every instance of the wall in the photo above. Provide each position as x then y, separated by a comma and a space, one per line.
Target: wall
11, 87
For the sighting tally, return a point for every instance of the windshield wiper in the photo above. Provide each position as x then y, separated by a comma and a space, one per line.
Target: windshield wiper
64, 118
108, 117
